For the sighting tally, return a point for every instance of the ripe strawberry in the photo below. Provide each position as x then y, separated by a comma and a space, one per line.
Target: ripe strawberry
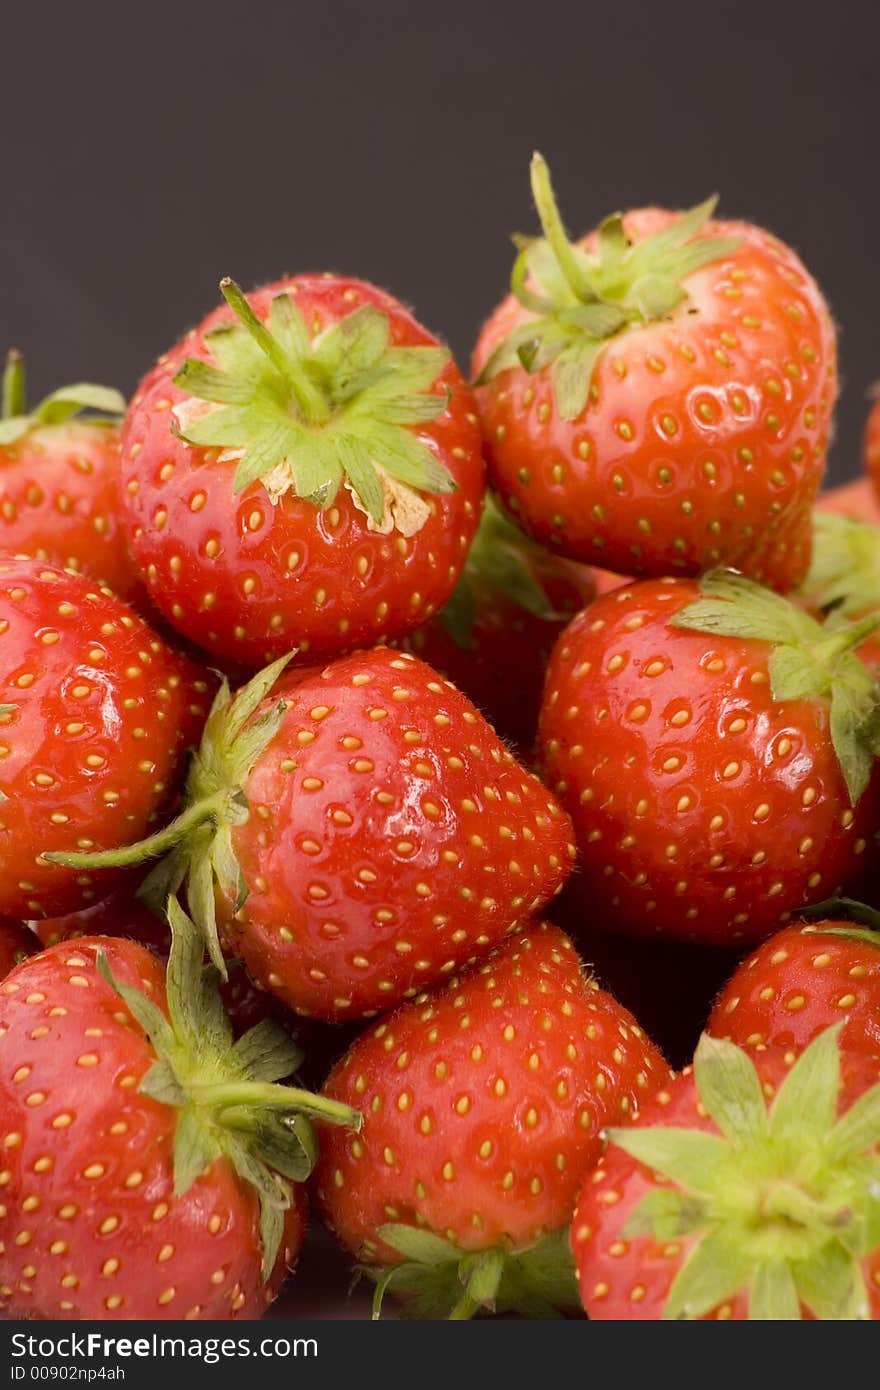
483, 1104
124, 915
494, 637
16, 944
361, 832
95, 712
715, 1204
59, 480
856, 499
148, 1161
802, 981
657, 397
308, 476
714, 745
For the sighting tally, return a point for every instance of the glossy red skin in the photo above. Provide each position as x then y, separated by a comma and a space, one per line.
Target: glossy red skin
577, 1033
165, 1245
385, 866
59, 502
16, 944
350, 586
503, 669
799, 983
856, 499
124, 915
871, 447
629, 1280
87, 679
553, 474
718, 809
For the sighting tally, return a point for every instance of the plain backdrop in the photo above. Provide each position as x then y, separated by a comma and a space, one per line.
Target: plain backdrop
150, 148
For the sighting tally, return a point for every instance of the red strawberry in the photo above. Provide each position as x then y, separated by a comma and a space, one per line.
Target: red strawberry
714, 745
856, 499
59, 480
95, 712
148, 1162
309, 476
871, 446
657, 397
801, 981
361, 832
494, 637
483, 1104
16, 944
718, 1204
124, 915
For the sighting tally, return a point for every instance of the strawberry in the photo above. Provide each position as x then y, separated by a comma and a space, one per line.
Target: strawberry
304, 471
856, 499
483, 1104
657, 398
123, 915
59, 479
95, 712
714, 745
16, 944
494, 637
360, 830
802, 981
149, 1163
717, 1203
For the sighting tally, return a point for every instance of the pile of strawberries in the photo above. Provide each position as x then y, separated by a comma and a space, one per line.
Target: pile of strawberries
319, 760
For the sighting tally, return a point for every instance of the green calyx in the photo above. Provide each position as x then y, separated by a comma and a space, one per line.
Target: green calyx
845, 569
783, 1202
437, 1279
226, 1092
809, 660
577, 300
195, 850
309, 415
55, 409
865, 919
500, 560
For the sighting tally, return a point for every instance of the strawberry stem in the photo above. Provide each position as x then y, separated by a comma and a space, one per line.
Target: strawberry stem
13, 389
225, 1095
210, 808
310, 400
835, 644
554, 231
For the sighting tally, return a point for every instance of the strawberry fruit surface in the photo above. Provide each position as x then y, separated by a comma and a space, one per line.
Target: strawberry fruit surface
656, 398
483, 1104
747, 1189
95, 715
714, 745
304, 471
149, 1162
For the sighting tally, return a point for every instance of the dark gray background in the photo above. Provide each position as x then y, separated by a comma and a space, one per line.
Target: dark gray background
150, 148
